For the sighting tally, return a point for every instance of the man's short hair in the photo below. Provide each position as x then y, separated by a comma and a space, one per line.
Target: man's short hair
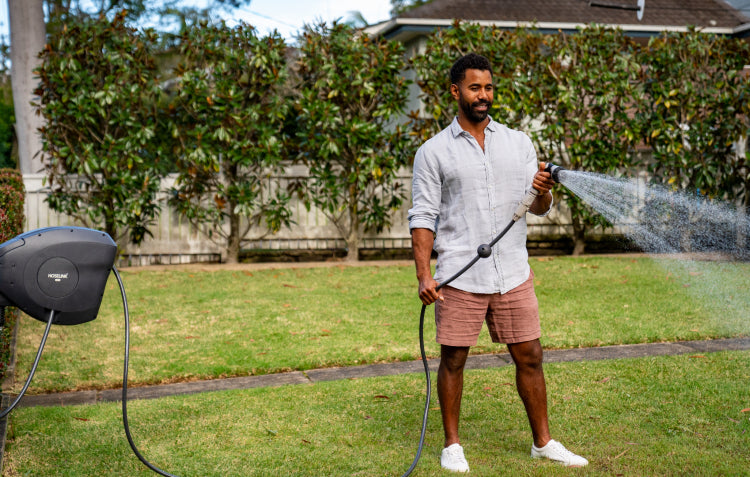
472, 61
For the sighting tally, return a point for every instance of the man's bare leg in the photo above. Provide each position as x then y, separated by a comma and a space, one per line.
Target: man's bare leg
450, 384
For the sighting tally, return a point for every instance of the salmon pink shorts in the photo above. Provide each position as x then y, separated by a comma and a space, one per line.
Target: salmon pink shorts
512, 317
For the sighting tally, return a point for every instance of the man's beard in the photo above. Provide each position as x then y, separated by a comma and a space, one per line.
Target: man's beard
472, 114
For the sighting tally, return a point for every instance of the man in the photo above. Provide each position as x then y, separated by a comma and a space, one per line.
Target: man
468, 181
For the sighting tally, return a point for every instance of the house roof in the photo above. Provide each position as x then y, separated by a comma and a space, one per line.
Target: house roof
714, 16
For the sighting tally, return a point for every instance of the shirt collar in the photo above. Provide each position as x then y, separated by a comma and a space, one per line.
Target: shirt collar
456, 128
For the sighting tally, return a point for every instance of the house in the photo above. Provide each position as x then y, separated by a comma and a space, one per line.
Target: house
711, 16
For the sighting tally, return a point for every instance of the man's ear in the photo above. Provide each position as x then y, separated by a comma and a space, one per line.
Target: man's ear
454, 91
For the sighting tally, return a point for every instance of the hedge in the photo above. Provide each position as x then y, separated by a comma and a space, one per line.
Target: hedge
12, 193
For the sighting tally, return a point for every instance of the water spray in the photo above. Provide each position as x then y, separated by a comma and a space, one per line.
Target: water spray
483, 251
706, 240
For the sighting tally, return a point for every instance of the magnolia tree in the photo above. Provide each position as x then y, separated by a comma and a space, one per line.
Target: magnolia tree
351, 94
98, 95
698, 110
228, 113
591, 91
697, 121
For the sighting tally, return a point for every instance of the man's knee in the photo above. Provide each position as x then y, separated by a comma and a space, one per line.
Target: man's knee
453, 359
528, 354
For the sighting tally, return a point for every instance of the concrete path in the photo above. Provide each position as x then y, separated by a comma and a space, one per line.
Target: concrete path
367, 371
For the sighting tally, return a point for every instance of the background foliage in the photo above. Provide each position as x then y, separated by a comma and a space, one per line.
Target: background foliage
12, 194
228, 114
697, 105
351, 95
587, 100
100, 105
6, 134
6, 110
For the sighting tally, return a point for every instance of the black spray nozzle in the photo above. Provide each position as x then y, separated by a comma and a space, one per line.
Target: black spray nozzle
554, 170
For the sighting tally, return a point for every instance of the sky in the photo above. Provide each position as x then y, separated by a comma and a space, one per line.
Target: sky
286, 16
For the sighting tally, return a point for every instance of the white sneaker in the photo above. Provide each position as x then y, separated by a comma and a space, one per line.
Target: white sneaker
557, 452
453, 459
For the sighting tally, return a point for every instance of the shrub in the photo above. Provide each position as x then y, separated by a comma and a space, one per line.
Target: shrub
12, 193
6, 134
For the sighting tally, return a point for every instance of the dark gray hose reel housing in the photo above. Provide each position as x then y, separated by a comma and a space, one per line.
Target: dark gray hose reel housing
61, 269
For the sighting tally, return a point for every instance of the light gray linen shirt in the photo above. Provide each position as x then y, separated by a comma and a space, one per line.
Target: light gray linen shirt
467, 196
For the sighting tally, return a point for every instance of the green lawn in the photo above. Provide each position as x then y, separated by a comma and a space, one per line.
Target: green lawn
682, 415
195, 325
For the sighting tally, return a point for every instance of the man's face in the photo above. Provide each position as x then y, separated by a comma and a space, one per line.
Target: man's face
474, 94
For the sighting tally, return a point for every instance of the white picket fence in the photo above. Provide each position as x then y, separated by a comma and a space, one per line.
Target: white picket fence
176, 241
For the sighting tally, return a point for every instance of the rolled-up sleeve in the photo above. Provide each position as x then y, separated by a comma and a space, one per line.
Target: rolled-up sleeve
426, 192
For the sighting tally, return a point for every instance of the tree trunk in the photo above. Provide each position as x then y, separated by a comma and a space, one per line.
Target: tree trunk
110, 225
352, 241
230, 175
352, 245
579, 238
27, 39
743, 227
233, 241
682, 217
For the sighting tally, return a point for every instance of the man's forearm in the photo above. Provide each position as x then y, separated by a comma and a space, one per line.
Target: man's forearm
422, 241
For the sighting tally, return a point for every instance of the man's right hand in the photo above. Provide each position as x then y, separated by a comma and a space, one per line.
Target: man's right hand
427, 291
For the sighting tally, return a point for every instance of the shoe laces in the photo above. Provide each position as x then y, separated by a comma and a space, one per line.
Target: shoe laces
454, 451
561, 449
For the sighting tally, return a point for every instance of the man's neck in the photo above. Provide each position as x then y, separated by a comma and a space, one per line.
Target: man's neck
473, 128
